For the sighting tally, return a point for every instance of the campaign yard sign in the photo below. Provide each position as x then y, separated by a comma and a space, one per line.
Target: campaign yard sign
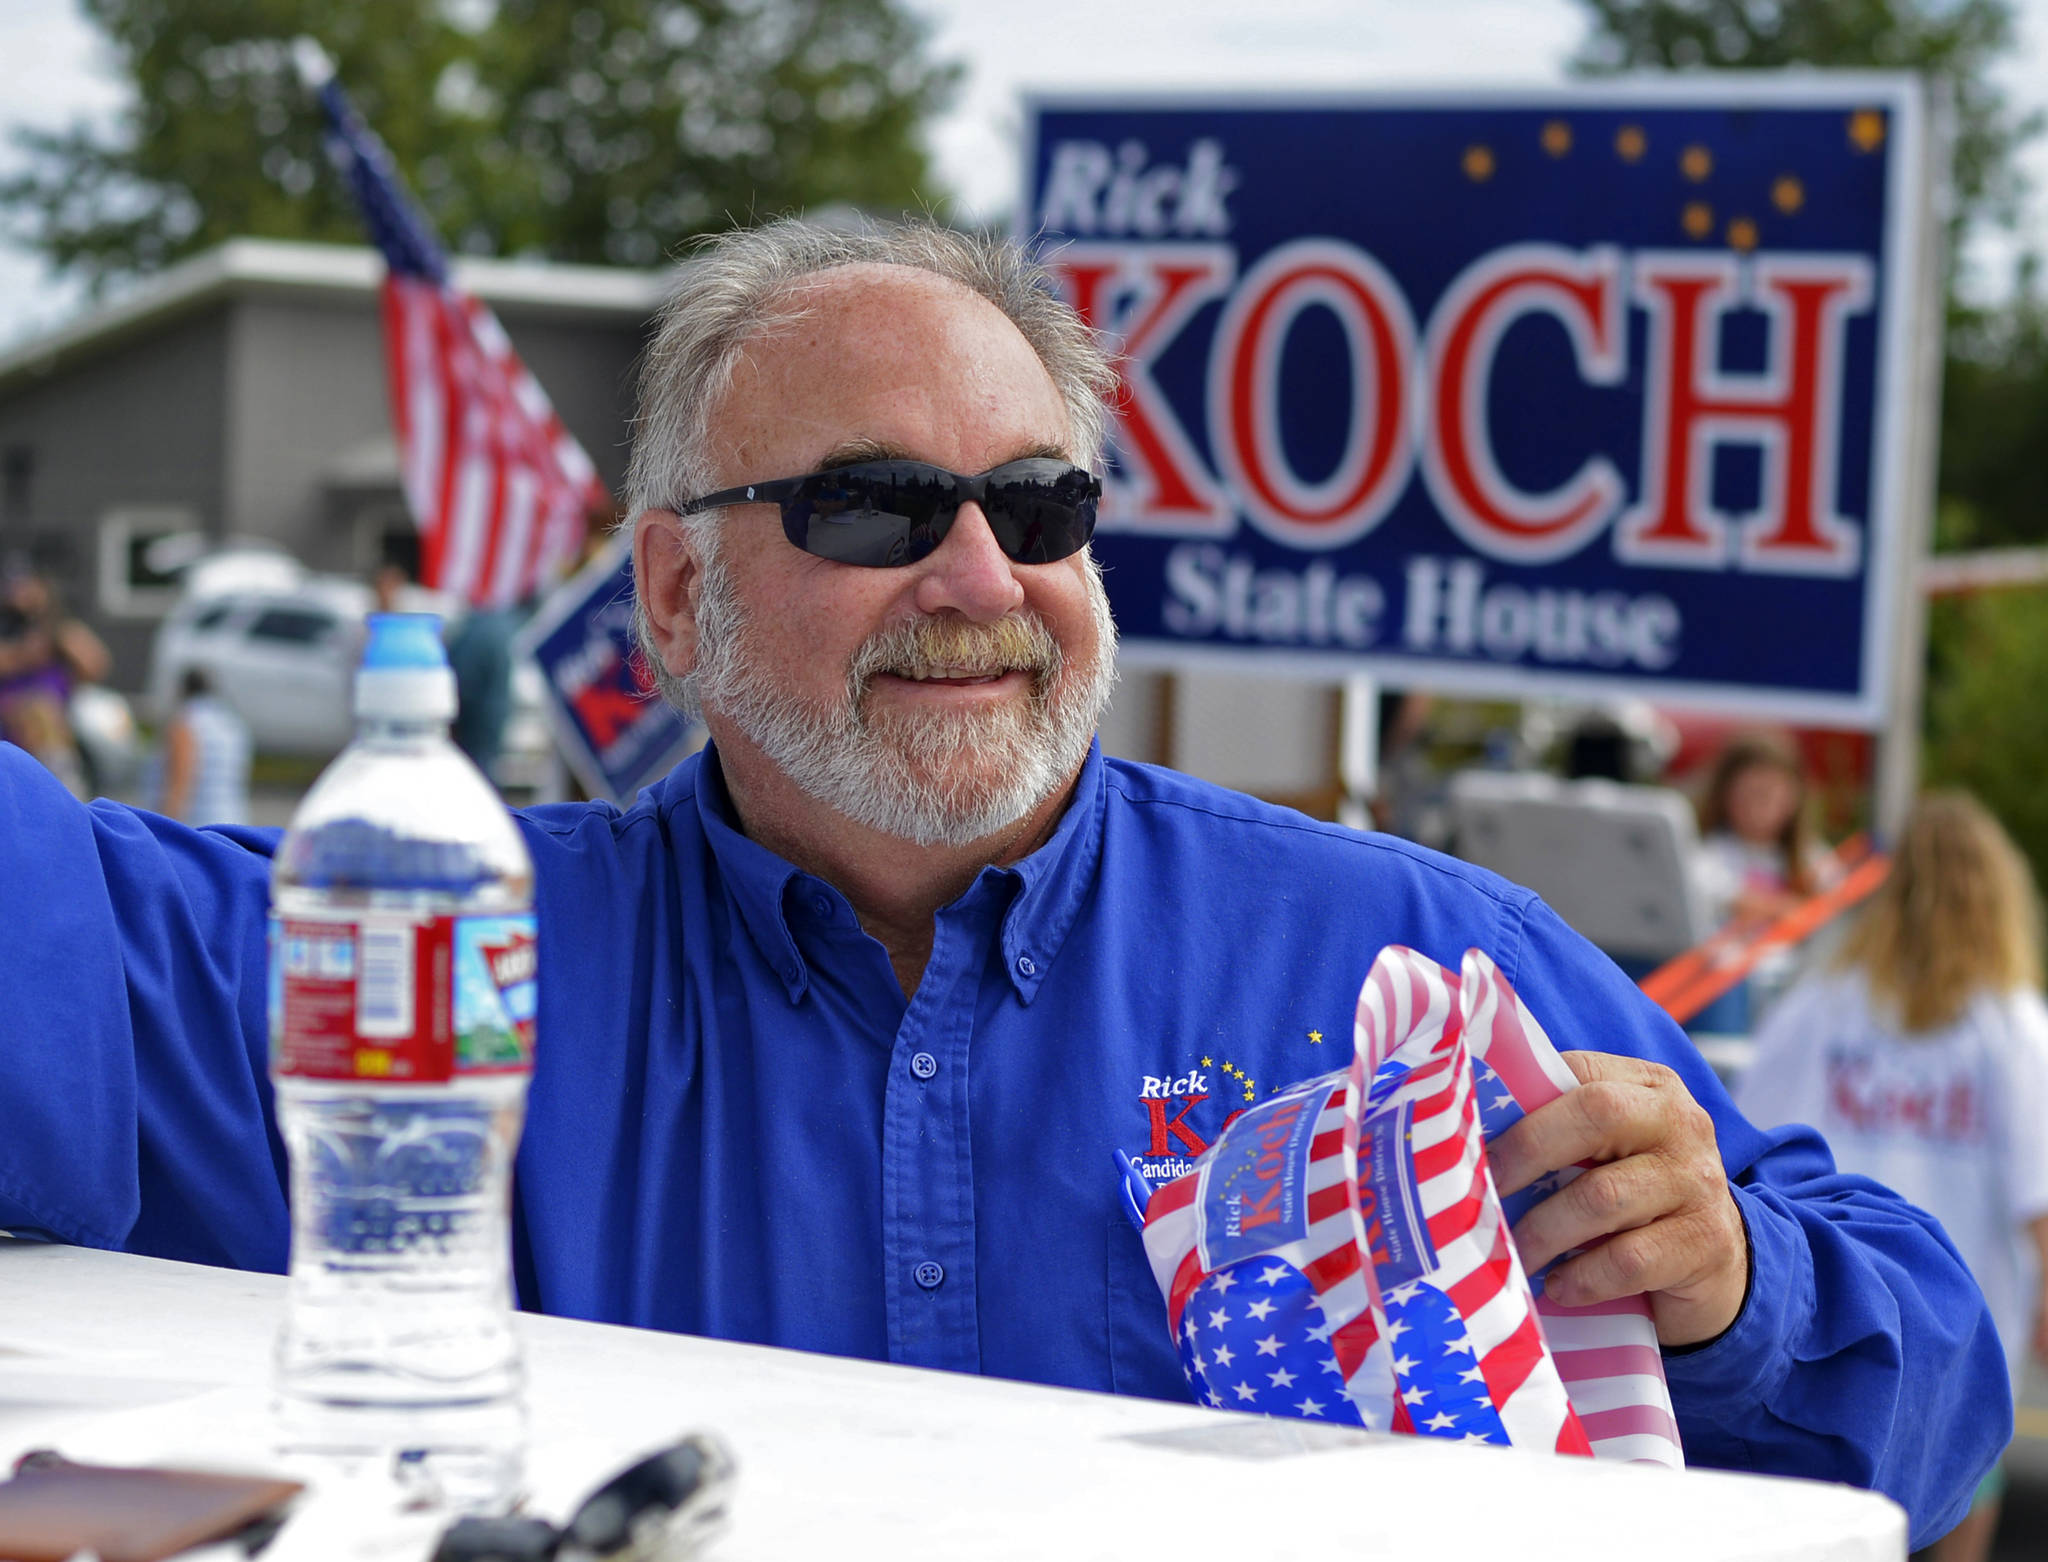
1599, 390
615, 731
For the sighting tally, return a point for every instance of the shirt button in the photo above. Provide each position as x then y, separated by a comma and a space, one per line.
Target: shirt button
1026, 966
790, 973
923, 1065
822, 905
929, 1275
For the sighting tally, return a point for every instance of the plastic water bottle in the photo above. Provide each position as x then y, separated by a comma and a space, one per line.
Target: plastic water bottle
402, 1006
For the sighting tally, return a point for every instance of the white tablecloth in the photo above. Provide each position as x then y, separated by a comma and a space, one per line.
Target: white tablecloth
122, 1359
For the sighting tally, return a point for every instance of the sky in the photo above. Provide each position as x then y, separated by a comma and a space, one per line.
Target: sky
53, 73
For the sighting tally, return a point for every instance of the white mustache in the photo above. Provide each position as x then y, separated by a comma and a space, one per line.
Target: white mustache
952, 648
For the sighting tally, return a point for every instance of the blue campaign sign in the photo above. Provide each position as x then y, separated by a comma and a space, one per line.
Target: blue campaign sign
1597, 390
616, 732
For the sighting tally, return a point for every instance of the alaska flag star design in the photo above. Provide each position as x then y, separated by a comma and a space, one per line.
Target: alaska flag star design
1265, 1349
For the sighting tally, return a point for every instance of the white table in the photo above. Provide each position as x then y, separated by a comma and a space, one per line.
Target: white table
122, 1359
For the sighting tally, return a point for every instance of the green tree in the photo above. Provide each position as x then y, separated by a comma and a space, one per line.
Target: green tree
1984, 732
1994, 414
586, 130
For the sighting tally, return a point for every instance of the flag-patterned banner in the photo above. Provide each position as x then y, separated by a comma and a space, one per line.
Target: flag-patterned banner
1257, 1255
1432, 1224
1340, 1253
500, 490
1607, 1354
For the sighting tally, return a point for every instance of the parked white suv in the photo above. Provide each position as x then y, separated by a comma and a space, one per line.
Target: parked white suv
280, 643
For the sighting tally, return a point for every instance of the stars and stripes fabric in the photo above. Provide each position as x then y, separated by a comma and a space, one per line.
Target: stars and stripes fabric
1256, 1253
1432, 1223
1341, 1254
1607, 1354
499, 489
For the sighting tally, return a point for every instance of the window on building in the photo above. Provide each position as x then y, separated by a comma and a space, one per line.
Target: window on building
141, 548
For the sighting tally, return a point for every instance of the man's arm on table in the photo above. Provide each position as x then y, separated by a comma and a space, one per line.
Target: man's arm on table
134, 1104
1860, 1349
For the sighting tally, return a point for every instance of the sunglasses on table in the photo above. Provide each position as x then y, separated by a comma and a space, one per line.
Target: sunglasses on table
879, 514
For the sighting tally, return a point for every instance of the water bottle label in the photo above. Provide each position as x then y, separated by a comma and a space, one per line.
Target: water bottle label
402, 1000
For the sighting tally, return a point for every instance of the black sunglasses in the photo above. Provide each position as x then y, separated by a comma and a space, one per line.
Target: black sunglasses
883, 513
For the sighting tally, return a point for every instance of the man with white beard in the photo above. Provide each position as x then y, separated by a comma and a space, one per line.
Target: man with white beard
840, 1024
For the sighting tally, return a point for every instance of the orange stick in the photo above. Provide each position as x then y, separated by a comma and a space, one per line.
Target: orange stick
1681, 970
1795, 926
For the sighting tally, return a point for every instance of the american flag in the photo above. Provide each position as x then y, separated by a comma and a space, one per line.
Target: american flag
1432, 1222
1265, 1284
499, 489
1341, 1254
1607, 1354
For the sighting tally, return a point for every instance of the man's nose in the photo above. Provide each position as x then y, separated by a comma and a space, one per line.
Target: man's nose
969, 573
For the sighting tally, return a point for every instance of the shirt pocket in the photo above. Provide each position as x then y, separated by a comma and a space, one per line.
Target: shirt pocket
1142, 1359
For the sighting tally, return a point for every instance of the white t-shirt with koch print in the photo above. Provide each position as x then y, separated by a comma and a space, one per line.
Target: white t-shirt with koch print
1955, 1120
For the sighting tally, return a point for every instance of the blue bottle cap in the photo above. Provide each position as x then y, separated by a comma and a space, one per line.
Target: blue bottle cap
402, 641
404, 675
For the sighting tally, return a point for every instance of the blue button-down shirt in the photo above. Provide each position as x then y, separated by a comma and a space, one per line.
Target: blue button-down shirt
740, 1127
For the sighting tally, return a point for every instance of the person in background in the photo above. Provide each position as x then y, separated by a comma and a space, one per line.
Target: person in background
1922, 1058
479, 651
396, 582
1409, 798
42, 655
205, 775
1598, 748
1758, 848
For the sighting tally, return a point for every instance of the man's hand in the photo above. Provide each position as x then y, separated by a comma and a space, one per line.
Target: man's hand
1655, 1214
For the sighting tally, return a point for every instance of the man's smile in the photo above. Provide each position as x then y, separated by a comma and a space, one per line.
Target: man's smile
953, 678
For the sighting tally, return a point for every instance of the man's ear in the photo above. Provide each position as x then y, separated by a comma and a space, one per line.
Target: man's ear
666, 579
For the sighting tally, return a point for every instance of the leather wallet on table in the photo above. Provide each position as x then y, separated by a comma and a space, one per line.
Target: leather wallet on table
54, 1509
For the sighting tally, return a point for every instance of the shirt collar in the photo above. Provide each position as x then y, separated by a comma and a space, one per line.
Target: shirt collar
1049, 886
754, 877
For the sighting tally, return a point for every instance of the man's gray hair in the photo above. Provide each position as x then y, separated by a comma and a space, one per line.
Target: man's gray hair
745, 282
741, 284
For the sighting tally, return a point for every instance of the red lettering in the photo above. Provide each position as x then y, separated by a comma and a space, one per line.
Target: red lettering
1950, 1113
1276, 1130
1262, 1213
1792, 410
1165, 1128
1959, 1115
606, 708
1244, 392
1584, 293
1143, 295
1376, 1242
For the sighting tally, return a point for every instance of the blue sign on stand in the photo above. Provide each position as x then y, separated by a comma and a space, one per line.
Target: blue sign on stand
616, 732
1601, 390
